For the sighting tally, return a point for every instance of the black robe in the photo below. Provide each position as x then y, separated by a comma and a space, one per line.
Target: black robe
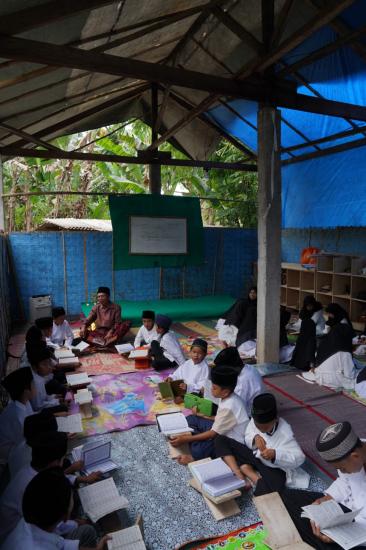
339, 338
243, 315
305, 349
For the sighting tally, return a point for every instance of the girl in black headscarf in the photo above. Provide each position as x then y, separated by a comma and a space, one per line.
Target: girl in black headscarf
243, 316
335, 367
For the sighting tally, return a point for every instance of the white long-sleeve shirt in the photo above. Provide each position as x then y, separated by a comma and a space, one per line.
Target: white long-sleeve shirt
193, 375
11, 426
30, 537
231, 418
249, 385
350, 490
11, 500
42, 399
60, 334
171, 347
19, 456
146, 336
289, 455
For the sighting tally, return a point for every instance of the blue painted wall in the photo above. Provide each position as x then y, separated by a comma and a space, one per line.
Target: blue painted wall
5, 301
39, 262
345, 240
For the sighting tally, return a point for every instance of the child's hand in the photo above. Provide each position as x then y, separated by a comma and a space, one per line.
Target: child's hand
195, 411
91, 478
74, 467
169, 379
322, 499
259, 443
183, 386
268, 454
316, 531
179, 440
103, 542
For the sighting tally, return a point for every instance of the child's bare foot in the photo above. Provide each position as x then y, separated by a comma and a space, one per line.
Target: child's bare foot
185, 459
250, 473
178, 400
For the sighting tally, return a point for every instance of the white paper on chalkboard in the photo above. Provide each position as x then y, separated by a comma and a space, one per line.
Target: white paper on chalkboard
158, 235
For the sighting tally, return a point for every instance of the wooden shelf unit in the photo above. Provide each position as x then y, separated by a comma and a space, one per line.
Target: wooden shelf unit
336, 278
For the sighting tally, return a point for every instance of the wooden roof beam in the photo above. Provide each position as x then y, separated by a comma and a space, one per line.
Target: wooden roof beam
99, 157
28, 137
42, 14
237, 28
280, 23
328, 151
326, 139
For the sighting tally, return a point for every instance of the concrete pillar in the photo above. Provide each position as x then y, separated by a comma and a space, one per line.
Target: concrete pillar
269, 234
2, 209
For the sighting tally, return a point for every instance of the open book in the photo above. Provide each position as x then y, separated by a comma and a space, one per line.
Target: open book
101, 498
96, 456
82, 346
64, 353
124, 348
139, 354
215, 477
83, 396
70, 424
79, 379
336, 524
127, 539
172, 423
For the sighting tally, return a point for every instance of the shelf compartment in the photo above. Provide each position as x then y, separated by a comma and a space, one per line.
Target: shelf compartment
325, 263
293, 278
307, 280
357, 265
358, 313
323, 279
342, 285
293, 298
358, 286
342, 264
324, 298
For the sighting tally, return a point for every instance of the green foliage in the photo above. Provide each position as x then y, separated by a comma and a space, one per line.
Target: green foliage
228, 198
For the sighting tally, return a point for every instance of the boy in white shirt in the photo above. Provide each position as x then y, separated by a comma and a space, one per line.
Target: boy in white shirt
166, 353
271, 456
41, 369
194, 372
250, 382
21, 388
147, 332
340, 446
231, 418
61, 330
47, 502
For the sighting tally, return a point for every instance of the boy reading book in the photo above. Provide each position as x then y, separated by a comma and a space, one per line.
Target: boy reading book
41, 368
194, 372
166, 353
231, 418
147, 332
61, 331
20, 386
250, 381
270, 456
46, 505
340, 446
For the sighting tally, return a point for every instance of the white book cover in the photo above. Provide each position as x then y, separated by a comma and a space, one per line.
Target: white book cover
83, 396
216, 477
70, 424
101, 498
63, 353
124, 348
69, 361
139, 354
82, 346
126, 539
78, 379
173, 423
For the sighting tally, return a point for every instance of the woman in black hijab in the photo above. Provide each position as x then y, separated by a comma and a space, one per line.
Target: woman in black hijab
243, 315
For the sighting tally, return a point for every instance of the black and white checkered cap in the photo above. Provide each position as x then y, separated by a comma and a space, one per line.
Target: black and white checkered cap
336, 441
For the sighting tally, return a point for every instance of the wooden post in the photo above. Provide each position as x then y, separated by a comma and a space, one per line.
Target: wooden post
154, 169
2, 209
269, 234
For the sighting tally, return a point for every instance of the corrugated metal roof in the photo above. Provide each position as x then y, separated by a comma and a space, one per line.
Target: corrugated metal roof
74, 224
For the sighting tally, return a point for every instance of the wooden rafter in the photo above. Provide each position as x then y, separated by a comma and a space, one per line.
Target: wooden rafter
49, 12
326, 139
66, 123
281, 22
96, 157
28, 137
238, 29
328, 151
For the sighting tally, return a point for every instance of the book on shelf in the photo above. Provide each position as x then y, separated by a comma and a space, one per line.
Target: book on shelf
337, 524
70, 424
127, 539
79, 379
172, 423
96, 456
215, 477
101, 498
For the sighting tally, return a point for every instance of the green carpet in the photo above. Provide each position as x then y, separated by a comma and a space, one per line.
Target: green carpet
182, 309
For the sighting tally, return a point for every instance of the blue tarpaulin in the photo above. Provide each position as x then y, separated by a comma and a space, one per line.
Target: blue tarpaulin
326, 191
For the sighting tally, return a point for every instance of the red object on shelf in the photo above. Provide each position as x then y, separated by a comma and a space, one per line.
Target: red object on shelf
307, 257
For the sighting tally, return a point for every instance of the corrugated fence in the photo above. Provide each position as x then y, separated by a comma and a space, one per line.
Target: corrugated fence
71, 265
